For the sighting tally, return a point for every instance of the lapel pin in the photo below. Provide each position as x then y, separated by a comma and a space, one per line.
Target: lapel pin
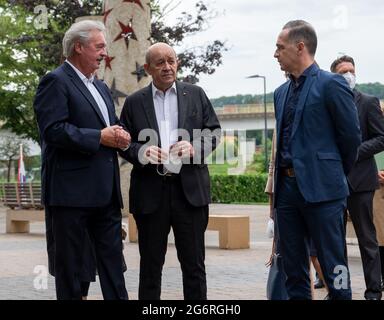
184, 93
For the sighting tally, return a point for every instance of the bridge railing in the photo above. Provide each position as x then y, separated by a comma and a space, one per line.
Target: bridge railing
244, 109
252, 108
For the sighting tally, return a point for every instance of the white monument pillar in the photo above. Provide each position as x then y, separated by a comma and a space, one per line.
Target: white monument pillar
128, 24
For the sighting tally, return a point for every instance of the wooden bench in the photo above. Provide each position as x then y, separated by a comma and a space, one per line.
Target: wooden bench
233, 230
23, 202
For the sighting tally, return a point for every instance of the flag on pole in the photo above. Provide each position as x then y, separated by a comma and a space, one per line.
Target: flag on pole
21, 177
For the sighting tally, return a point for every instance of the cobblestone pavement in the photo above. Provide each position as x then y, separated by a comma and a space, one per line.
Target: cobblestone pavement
231, 274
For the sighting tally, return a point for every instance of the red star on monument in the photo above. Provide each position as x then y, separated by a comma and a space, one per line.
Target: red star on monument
108, 61
126, 31
138, 2
106, 13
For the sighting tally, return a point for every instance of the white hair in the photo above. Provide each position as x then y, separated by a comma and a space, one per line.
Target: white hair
79, 31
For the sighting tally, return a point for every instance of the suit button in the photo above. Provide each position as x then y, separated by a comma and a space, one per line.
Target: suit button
110, 160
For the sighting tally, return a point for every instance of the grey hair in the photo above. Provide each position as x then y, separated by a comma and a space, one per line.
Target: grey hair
79, 31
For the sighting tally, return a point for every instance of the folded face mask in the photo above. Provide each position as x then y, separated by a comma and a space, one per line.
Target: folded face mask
270, 228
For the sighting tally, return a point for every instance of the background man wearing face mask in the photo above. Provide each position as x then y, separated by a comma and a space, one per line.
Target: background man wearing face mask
363, 178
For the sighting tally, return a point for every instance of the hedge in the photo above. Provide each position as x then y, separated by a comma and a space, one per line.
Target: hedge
238, 188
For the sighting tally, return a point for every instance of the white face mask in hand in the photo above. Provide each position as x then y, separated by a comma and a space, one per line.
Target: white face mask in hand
270, 228
351, 79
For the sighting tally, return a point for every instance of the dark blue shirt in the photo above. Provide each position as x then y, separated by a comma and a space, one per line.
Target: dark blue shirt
294, 91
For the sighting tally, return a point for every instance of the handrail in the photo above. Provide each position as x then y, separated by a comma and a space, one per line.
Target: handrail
21, 195
244, 109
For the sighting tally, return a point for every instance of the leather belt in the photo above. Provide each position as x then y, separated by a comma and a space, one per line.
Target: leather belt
171, 177
169, 174
288, 172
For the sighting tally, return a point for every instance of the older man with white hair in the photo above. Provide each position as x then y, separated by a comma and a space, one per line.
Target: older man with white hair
80, 135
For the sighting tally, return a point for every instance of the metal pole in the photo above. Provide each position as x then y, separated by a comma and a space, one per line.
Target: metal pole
265, 119
265, 126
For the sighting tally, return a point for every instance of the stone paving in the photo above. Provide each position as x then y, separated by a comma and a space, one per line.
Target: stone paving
231, 274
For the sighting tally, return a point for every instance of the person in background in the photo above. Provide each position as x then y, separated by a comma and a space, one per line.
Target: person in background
363, 178
378, 219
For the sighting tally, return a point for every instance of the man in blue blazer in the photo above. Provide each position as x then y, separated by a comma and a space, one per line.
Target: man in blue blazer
318, 136
80, 135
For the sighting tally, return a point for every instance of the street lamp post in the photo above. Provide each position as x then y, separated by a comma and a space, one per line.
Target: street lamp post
265, 119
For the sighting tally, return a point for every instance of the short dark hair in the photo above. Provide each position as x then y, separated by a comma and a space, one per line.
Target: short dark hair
339, 60
300, 30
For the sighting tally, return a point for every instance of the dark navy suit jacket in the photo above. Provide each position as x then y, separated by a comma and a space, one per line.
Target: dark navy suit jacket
363, 175
77, 171
325, 135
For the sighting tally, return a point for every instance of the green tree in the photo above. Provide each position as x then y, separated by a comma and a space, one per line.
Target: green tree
196, 60
27, 52
242, 99
9, 150
18, 62
376, 89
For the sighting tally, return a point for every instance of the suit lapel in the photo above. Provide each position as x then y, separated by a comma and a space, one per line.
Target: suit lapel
357, 96
280, 111
99, 86
182, 96
303, 97
83, 89
149, 109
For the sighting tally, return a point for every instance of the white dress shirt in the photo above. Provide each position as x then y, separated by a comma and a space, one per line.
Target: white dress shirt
166, 115
88, 82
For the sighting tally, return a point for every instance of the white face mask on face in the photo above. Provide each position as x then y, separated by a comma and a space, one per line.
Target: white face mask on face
351, 79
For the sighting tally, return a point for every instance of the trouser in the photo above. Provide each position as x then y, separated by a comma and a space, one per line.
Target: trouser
323, 222
84, 286
360, 208
382, 262
69, 229
188, 224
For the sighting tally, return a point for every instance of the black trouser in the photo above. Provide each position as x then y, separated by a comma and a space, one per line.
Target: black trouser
69, 229
88, 273
382, 262
84, 288
360, 208
188, 224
